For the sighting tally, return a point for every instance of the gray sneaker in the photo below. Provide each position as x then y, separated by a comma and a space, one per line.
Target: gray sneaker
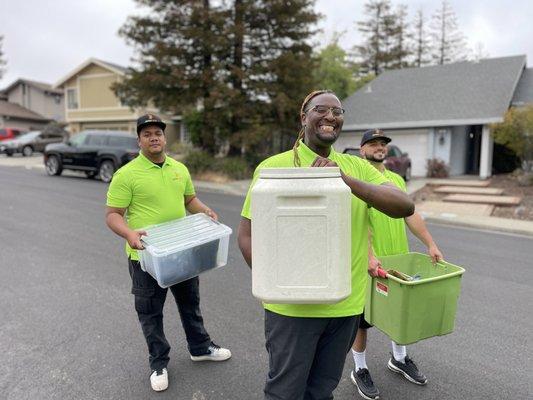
364, 383
213, 353
408, 369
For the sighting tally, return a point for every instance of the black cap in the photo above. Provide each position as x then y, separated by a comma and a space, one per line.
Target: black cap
150, 119
374, 134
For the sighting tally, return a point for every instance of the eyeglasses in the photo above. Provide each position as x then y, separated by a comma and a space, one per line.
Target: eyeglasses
323, 110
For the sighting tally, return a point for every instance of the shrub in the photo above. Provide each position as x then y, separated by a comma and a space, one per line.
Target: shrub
234, 167
436, 168
199, 161
180, 148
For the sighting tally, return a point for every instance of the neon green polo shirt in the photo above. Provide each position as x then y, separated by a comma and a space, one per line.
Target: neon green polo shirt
151, 194
388, 234
356, 168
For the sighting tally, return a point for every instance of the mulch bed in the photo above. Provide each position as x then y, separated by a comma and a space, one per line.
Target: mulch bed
509, 183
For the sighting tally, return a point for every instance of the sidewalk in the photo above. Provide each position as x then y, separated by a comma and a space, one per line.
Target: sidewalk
514, 226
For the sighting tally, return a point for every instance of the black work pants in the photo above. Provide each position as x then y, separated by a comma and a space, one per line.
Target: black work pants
306, 355
149, 302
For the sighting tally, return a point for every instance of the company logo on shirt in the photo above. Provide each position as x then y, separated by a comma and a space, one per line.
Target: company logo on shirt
176, 177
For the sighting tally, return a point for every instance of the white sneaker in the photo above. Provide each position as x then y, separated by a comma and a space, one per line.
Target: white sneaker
159, 380
214, 353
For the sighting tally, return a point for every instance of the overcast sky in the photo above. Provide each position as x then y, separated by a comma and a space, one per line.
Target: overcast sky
45, 40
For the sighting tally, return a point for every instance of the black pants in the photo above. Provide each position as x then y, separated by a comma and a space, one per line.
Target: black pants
149, 302
306, 355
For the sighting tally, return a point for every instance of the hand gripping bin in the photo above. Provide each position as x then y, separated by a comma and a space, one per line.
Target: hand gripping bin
409, 311
184, 248
301, 236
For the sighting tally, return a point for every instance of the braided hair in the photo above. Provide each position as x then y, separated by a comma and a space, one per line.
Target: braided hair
301, 134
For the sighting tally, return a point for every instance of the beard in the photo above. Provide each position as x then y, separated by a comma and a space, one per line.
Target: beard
374, 159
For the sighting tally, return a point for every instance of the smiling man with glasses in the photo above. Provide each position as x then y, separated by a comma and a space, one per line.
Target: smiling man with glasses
307, 343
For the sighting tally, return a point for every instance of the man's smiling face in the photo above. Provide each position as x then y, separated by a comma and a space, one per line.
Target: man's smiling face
323, 120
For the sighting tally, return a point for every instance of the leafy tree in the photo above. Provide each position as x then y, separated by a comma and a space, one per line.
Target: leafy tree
516, 133
334, 71
448, 43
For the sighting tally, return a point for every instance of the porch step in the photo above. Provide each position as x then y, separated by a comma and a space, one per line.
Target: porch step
468, 190
439, 208
473, 198
459, 182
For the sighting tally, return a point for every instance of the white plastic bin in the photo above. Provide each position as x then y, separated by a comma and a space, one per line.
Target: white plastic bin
184, 248
301, 236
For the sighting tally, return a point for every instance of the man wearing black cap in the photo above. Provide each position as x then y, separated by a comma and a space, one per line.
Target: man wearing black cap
388, 237
153, 189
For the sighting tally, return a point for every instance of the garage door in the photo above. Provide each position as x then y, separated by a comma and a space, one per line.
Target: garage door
414, 142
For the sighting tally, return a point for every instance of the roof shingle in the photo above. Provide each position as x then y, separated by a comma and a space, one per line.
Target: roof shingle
445, 95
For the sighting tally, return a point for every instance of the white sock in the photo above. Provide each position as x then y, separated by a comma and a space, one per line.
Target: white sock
359, 359
399, 352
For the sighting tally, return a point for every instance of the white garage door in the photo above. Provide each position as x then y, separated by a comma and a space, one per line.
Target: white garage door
414, 142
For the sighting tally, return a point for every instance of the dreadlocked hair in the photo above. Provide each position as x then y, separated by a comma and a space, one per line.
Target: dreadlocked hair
301, 134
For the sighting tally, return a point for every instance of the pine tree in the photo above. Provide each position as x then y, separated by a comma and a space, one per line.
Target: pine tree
448, 43
239, 68
400, 49
180, 50
421, 46
371, 52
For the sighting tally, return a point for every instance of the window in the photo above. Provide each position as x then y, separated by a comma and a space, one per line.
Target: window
124, 142
72, 98
97, 140
394, 152
3, 132
78, 140
57, 99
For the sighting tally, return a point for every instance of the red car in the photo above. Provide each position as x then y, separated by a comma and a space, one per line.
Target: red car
396, 161
9, 133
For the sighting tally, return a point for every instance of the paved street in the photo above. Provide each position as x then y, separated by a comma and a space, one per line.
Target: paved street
69, 330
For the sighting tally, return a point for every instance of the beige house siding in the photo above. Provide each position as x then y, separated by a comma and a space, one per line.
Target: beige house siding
99, 108
102, 115
95, 92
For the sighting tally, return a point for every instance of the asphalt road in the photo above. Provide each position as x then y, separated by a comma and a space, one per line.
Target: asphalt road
69, 331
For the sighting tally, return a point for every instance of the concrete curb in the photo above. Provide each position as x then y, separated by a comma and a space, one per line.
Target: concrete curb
493, 224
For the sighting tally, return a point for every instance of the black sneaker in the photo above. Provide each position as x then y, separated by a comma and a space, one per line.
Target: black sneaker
364, 383
408, 369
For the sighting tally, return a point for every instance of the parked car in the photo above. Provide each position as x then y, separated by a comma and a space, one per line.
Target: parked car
9, 133
30, 142
97, 153
395, 161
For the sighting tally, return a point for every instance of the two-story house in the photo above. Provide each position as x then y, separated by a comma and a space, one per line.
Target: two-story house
39, 97
91, 104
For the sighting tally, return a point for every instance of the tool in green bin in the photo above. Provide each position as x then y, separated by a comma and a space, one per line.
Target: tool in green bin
400, 275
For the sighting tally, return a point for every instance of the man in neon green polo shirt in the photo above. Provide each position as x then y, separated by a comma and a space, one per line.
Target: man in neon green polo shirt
388, 237
308, 343
152, 189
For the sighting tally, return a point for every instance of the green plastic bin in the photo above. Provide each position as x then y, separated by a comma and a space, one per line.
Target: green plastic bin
409, 311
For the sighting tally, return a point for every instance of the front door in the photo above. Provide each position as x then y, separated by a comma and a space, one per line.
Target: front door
473, 149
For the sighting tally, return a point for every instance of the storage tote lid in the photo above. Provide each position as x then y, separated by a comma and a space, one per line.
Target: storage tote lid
184, 233
299, 173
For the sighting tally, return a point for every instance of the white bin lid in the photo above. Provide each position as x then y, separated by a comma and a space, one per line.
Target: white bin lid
184, 233
306, 172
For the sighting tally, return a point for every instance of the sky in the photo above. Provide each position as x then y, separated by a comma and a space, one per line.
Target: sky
45, 40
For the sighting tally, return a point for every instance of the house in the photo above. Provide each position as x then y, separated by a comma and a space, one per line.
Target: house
91, 104
441, 111
15, 116
38, 97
